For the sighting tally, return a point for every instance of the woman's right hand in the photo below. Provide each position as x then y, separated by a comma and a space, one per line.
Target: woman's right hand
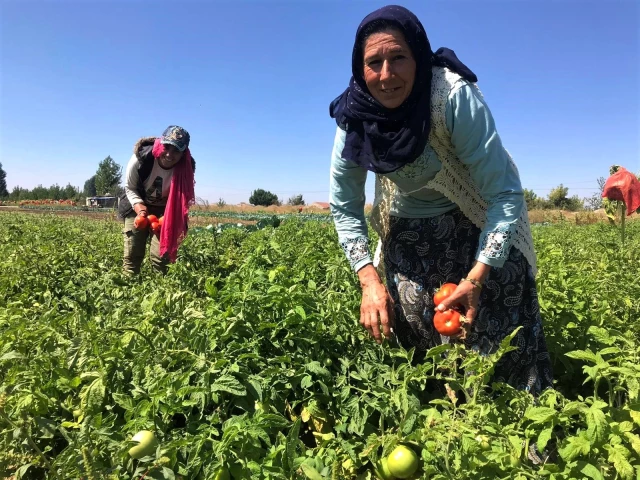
140, 209
377, 305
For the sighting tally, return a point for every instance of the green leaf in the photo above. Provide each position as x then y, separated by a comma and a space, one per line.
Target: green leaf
590, 471
12, 355
229, 384
271, 420
292, 445
544, 437
634, 440
311, 472
435, 351
255, 388
601, 335
596, 424
574, 447
92, 396
540, 414
585, 355
315, 367
300, 311
22, 470
618, 457
162, 473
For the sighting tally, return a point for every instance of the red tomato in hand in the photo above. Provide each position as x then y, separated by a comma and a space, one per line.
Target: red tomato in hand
447, 323
160, 220
152, 219
443, 292
155, 228
141, 222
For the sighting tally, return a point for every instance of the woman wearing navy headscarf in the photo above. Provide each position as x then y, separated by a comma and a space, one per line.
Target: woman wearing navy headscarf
449, 204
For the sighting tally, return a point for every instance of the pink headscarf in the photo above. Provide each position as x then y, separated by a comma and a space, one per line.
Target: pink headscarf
181, 197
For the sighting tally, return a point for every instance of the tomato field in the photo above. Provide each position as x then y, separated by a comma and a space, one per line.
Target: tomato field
247, 361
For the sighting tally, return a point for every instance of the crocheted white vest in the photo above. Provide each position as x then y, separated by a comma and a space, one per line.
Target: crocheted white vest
453, 180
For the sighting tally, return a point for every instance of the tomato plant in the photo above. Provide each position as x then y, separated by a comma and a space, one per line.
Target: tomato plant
247, 359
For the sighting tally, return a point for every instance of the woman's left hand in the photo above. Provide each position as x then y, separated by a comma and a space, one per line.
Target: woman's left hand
465, 295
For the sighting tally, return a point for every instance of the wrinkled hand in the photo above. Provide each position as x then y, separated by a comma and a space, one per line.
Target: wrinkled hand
140, 209
377, 305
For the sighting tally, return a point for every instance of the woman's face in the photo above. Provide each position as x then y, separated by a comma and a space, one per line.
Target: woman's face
170, 157
389, 67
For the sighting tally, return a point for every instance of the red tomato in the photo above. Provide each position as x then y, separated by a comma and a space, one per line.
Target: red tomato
447, 323
161, 220
155, 228
443, 292
141, 222
152, 218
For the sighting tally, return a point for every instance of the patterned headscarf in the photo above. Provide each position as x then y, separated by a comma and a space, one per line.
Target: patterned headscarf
380, 139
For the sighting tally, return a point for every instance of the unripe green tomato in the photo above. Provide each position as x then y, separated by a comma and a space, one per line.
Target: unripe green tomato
147, 444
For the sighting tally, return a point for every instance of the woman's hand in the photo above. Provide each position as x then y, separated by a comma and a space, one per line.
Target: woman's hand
467, 294
140, 209
377, 304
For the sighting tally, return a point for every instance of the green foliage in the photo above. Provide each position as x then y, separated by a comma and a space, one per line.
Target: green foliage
263, 197
558, 199
530, 198
296, 200
89, 189
248, 355
54, 192
108, 177
3, 182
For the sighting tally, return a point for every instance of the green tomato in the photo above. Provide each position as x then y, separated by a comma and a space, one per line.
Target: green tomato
222, 474
483, 440
403, 462
147, 444
328, 362
382, 470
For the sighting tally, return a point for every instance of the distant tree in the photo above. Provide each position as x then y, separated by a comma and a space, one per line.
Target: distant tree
90, 187
558, 196
108, 176
18, 194
39, 193
221, 203
594, 202
530, 197
3, 183
70, 192
55, 192
263, 198
558, 199
296, 200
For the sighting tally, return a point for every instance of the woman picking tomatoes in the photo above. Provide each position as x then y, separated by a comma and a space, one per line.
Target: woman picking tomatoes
449, 204
159, 189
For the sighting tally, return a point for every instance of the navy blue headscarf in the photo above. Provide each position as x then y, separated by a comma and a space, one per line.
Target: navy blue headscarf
380, 139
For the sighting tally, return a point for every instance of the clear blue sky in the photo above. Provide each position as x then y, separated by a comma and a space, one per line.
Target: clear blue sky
252, 81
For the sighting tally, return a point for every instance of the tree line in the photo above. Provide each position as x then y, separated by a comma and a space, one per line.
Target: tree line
108, 176
106, 181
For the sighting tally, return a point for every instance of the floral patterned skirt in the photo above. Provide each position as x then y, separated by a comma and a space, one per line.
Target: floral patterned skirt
420, 254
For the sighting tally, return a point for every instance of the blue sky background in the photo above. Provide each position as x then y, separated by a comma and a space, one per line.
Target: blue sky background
252, 81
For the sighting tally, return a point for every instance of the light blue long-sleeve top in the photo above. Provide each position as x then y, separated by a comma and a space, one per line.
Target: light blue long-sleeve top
477, 144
